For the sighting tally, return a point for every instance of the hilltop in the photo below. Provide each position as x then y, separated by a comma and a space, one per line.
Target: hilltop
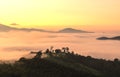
71, 30
61, 63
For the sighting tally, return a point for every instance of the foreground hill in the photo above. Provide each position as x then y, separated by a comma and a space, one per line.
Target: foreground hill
60, 63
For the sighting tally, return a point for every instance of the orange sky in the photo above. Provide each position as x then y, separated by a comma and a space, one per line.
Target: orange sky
96, 15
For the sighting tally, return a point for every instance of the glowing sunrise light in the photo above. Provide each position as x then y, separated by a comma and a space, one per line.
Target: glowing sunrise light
90, 14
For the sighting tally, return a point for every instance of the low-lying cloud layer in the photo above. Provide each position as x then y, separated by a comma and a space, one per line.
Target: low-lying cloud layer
20, 43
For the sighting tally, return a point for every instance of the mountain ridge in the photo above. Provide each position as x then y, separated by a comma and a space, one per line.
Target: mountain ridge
5, 28
71, 30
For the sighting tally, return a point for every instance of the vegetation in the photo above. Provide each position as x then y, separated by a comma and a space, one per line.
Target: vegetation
60, 63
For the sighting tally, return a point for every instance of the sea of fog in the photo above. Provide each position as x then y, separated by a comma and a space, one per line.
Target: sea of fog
14, 45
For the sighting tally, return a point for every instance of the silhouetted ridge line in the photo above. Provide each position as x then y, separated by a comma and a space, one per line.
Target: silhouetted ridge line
71, 30
4, 28
107, 38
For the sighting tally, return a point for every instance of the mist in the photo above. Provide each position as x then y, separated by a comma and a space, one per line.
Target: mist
16, 44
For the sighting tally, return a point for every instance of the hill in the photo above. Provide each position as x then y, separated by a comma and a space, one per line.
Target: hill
4, 28
61, 63
107, 38
71, 30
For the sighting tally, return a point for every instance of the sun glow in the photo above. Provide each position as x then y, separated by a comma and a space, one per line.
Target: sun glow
63, 13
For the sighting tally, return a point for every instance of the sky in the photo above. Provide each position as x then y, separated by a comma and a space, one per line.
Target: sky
96, 15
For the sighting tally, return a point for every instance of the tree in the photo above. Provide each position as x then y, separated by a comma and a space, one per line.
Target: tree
58, 51
38, 55
64, 49
22, 59
47, 51
72, 53
67, 49
116, 60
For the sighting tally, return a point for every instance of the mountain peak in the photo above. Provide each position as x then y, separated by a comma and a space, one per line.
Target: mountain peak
4, 28
71, 30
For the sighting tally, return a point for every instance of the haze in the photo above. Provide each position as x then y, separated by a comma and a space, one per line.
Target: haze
16, 44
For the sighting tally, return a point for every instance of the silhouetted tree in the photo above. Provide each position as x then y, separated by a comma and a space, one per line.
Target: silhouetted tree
89, 57
22, 59
116, 60
47, 51
67, 49
64, 49
58, 51
72, 52
38, 55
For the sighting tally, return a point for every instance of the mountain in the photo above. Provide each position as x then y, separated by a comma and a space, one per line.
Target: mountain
107, 38
4, 28
71, 30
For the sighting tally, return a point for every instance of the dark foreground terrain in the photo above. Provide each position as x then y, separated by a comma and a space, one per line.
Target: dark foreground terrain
60, 63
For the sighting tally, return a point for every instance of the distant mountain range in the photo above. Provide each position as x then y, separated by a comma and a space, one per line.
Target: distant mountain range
4, 28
